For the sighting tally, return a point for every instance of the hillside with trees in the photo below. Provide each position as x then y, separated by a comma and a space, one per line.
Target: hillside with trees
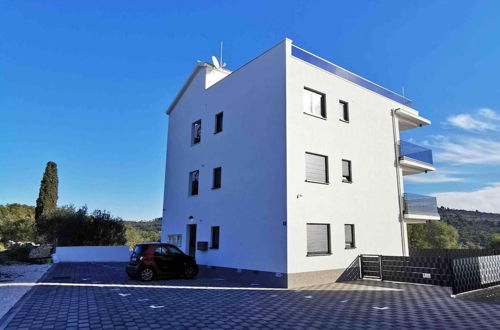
458, 229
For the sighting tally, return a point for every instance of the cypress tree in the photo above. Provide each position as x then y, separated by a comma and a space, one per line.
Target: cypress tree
47, 198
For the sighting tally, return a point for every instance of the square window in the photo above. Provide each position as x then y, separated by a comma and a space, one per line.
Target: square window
196, 132
318, 239
218, 122
344, 110
314, 103
316, 168
194, 182
215, 237
217, 178
346, 171
175, 240
349, 237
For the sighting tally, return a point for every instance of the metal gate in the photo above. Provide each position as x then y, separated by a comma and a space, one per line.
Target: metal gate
371, 266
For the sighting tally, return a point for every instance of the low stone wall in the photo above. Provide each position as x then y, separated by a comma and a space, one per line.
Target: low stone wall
92, 254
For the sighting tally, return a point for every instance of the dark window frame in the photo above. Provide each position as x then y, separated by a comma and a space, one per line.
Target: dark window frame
219, 125
217, 184
329, 238
347, 179
350, 245
323, 103
214, 237
345, 111
327, 172
194, 190
194, 138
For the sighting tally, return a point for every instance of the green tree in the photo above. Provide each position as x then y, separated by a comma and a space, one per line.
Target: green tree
442, 235
134, 236
433, 234
47, 197
17, 223
495, 241
417, 236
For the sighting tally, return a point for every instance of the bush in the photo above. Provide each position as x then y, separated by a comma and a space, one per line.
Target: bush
433, 234
135, 236
495, 241
70, 227
17, 223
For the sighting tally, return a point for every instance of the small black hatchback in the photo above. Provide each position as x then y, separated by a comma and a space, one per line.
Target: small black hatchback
154, 260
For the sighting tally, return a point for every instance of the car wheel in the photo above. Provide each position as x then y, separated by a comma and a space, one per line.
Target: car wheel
146, 274
190, 272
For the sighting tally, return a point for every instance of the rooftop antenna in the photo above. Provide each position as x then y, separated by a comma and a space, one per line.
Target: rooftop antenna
221, 48
218, 63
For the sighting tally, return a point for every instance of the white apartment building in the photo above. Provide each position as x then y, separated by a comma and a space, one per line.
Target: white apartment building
285, 170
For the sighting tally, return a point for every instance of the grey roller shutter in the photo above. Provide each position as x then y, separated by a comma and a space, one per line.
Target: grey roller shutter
316, 168
318, 238
346, 172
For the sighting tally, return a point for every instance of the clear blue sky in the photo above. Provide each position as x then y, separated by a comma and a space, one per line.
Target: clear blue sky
86, 84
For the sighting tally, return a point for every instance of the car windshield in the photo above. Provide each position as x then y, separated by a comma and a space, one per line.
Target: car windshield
138, 249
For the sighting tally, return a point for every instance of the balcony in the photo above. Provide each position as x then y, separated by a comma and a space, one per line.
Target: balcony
418, 208
414, 159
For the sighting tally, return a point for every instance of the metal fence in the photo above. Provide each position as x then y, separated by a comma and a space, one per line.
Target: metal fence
453, 253
475, 273
436, 267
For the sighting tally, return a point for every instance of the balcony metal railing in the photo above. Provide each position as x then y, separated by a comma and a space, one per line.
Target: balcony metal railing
341, 72
420, 205
415, 152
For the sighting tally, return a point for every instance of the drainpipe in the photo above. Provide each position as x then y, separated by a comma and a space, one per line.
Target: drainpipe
398, 176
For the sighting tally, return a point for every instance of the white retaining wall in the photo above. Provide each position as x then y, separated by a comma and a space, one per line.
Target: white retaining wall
92, 254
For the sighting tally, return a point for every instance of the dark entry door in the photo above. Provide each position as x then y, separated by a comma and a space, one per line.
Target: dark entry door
192, 240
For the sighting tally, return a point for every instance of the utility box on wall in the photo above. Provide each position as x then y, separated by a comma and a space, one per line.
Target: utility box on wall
202, 246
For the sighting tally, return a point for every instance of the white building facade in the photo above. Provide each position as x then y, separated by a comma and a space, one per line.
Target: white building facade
285, 170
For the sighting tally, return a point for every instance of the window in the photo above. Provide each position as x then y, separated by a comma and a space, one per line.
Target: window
314, 103
318, 239
316, 168
218, 122
215, 237
217, 178
344, 111
193, 182
175, 240
160, 250
349, 237
196, 132
172, 250
346, 171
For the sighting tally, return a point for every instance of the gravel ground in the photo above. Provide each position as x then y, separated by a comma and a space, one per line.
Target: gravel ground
9, 295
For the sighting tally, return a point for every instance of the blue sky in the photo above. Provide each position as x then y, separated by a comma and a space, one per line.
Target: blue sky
86, 84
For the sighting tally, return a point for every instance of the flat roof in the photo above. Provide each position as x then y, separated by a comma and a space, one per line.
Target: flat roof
343, 73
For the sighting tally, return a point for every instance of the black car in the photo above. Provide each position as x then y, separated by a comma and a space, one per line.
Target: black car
154, 260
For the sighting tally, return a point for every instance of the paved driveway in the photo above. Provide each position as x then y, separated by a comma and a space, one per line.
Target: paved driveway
99, 296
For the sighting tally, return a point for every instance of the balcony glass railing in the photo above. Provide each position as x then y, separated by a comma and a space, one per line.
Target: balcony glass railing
420, 205
336, 70
415, 152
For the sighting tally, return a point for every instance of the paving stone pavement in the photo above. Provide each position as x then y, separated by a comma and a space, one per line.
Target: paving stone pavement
100, 296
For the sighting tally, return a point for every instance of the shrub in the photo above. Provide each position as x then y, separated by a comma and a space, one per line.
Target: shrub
70, 227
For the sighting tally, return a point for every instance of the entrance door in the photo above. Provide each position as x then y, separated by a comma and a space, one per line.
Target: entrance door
192, 240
